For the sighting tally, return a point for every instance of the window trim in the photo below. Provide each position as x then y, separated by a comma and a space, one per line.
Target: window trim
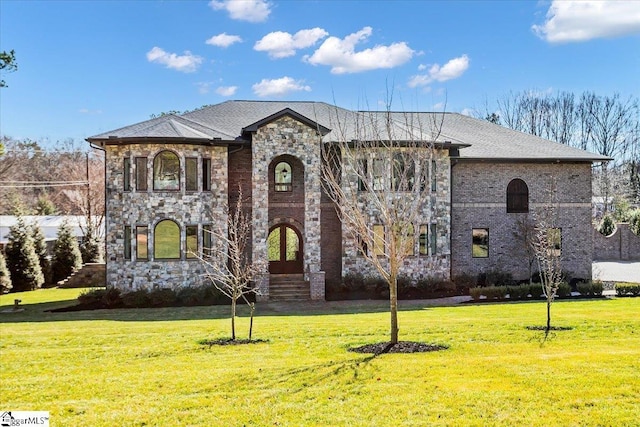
127, 243
423, 244
126, 174
155, 159
483, 229
142, 174
142, 230
286, 186
517, 196
206, 174
187, 254
187, 169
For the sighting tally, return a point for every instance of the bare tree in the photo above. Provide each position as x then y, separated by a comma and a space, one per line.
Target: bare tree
227, 260
547, 246
380, 172
525, 232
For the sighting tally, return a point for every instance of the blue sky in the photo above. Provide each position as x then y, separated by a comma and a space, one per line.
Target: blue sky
86, 67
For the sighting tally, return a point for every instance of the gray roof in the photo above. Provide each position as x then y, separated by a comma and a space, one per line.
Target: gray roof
231, 121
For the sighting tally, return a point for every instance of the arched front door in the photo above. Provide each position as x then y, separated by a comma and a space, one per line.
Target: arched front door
284, 249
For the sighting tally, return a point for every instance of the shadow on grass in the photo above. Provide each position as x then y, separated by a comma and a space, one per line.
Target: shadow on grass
40, 312
548, 333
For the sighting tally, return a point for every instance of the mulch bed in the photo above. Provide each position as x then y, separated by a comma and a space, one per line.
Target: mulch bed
400, 347
229, 341
553, 328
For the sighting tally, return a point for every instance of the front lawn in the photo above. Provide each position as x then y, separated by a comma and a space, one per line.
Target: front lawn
140, 367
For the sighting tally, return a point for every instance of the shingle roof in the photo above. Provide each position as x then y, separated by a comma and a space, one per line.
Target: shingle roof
226, 122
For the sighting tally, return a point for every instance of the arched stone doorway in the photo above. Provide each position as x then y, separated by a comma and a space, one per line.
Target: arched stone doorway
284, 250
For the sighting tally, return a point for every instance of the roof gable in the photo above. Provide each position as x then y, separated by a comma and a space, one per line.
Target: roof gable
290, 113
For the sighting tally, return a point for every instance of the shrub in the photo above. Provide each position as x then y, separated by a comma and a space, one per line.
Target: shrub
634, 222
498, 277
92, 298
136, 299
475, 293
353, 282
495, 292
584, 288
464, 283
628, 289
375, 283
404, 282
607, 226
597, 287
590, 288
564, 290
162, 298
518, 292
112, 298
535, 290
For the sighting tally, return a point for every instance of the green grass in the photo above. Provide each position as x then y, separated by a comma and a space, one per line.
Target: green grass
145, 367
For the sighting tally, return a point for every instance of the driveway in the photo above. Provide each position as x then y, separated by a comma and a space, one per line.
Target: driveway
617, 271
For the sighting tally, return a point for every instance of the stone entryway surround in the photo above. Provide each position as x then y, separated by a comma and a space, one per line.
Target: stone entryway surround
289, 139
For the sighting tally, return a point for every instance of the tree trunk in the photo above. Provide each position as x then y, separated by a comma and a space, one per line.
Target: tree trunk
393, 305
233, 319
548, 315
253, 306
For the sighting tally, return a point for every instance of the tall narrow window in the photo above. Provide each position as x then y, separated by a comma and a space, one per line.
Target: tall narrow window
142, 239
206, 239
141, 174
433, 239
378, 240
434, 176
480, 243
517, 197
127, 174
206, 174
402, 172
192, 241
283, 175
378, 173
405, 238
127, 242
166, 240
423, 241
191, 172
554, 235
362, 174
166, 171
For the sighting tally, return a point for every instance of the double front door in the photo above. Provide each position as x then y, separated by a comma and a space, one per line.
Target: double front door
284, 249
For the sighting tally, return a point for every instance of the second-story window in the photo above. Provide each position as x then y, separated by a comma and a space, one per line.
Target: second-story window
166, 171
283, 175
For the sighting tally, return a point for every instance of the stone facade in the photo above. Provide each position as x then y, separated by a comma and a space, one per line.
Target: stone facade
286, 136
148, 207
479, 201
434, 210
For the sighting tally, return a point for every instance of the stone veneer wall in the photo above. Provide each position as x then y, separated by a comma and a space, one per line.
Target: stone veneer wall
135, 208
436, 209
287, 136
479, 201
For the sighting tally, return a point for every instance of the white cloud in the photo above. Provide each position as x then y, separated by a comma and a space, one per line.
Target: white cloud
223, 40
280, 44
187, 63
575, 21
451, 70
340, 54
279, 87
226, 90
244, 10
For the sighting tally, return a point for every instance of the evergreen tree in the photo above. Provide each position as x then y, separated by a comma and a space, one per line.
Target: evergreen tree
91, 248
22, 260
40, 246
5, 276
607, 226
66, 254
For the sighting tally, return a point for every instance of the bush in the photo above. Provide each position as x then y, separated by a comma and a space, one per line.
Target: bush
92, 298
590, 288
518, 292
136, 299
535, 290
498, 277
162, 298
597, 287
475, 293
353, 282
634, 222
607, 226
628, 289
495, 292
464, 283
564, 290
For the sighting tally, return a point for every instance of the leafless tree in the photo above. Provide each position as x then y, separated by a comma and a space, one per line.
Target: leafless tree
379, 172
547, 247
525, 232
227, 259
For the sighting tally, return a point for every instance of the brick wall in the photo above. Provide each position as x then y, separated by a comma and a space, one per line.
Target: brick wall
622, 245
479, 201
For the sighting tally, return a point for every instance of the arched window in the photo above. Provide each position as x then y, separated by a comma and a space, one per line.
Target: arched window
166, 171
283, 177
517, 197
166, 240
